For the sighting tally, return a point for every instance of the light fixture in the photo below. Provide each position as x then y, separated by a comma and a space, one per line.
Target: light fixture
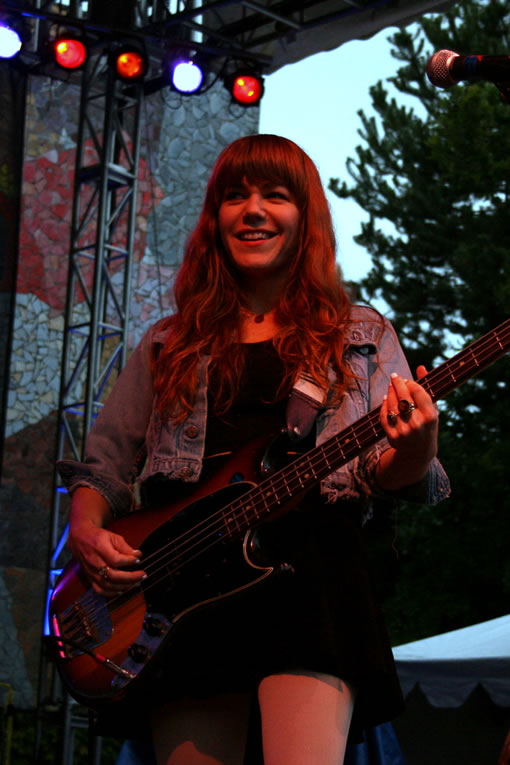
130, 64
70, 51
185, 71
129, 60
246, 86
11, 36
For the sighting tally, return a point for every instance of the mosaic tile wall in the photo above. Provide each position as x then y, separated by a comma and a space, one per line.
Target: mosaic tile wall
181, 138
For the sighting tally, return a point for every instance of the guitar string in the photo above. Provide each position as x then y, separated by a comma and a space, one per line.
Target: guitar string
448, 375
293, 468
297, 466
208, 526
333, 446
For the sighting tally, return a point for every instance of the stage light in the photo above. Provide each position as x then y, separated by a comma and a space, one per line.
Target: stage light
185, 73
70, 52
130, 65
11, 38
130, 62
246, 87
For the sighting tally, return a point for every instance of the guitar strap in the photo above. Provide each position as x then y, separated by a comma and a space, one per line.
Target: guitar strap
305, 401
307, 398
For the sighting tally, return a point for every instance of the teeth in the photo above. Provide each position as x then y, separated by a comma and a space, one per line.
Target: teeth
256, 235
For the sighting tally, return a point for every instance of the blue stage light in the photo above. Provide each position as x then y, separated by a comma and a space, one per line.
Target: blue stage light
186, 75
10, 39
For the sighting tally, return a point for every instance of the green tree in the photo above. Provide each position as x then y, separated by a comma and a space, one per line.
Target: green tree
437, 173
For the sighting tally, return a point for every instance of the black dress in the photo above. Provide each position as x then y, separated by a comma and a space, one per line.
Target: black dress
322, 617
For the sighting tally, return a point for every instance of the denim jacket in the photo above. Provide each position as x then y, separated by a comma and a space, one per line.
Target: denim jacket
129, 425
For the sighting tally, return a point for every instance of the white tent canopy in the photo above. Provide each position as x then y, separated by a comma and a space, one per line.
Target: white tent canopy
448, 667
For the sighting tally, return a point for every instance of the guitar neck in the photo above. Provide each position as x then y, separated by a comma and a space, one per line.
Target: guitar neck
274, 494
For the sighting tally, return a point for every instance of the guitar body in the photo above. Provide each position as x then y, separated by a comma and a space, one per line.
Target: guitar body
107, 648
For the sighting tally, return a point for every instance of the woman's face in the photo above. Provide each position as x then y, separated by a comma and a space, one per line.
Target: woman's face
259, 227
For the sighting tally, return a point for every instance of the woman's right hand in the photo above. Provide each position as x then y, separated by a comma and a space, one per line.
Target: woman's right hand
103, 554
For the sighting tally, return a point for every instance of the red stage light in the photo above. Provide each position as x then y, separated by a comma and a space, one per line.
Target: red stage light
130, 65
70, 53
247, 89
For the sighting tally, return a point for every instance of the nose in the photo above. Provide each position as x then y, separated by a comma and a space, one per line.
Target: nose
253, 211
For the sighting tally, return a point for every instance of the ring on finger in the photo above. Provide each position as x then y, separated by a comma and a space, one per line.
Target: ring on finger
405, 406
392, 418
103, 571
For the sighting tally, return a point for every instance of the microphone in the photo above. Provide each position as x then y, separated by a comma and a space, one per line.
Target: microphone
447, 68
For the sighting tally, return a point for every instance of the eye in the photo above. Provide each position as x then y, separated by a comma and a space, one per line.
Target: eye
278, 193
233, 194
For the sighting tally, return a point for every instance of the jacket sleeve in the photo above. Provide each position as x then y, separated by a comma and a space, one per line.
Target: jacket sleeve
372, 364
117, 438
435, 486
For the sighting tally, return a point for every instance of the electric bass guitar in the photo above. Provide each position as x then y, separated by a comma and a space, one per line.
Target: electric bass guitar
203, 549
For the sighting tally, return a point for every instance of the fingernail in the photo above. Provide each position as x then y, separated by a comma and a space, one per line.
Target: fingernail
394, 374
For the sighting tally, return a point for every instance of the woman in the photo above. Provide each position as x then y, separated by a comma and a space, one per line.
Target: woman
264, 338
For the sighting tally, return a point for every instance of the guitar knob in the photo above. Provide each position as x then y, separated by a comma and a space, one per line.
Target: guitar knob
138, 652
153, 626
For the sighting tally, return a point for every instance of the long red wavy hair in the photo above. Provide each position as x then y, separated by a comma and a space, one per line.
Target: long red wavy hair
312, 309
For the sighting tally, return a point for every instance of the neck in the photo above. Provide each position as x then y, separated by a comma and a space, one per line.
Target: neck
259, 303
261, 297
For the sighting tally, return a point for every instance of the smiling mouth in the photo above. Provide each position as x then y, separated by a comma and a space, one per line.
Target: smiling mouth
255, 236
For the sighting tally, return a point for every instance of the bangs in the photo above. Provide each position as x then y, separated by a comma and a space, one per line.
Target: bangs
261, 159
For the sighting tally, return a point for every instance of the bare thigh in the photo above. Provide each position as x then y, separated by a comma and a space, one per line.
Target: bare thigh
305, 718
202, 731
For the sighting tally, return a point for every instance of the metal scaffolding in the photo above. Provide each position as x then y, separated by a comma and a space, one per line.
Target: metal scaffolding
97, 306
